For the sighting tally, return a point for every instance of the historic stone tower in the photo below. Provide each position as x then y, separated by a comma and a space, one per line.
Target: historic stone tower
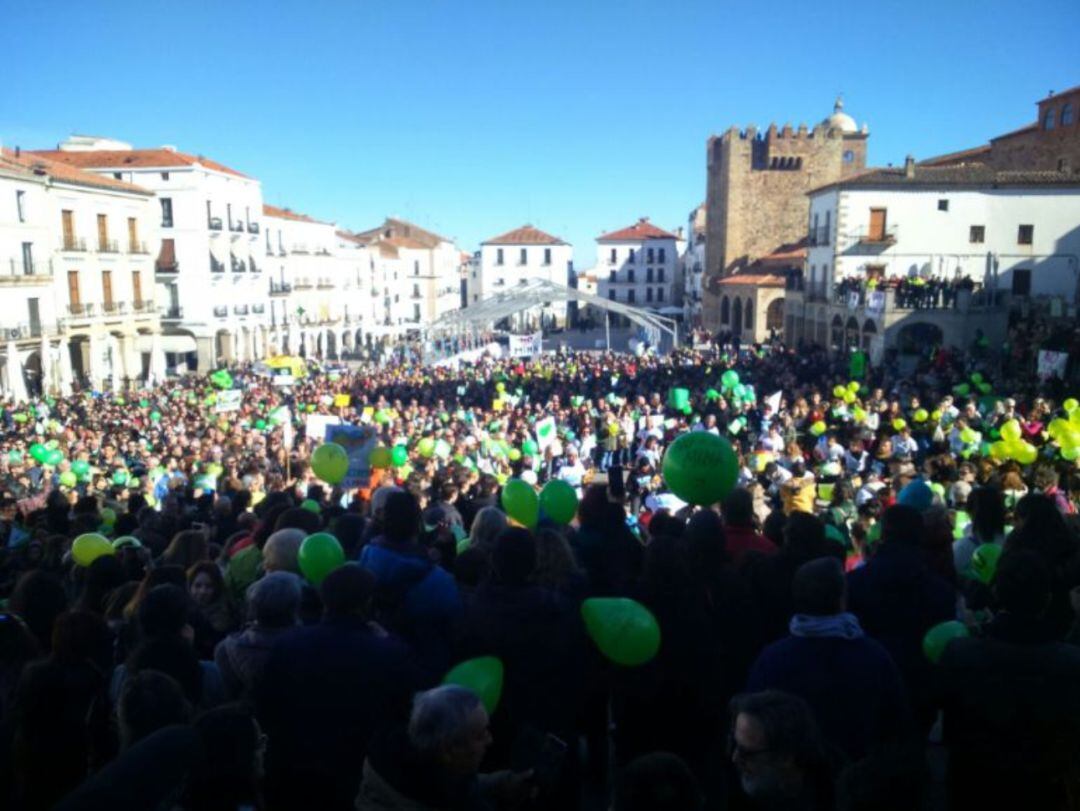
756, 195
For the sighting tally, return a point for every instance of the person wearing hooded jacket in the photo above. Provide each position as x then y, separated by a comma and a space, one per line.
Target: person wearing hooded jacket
414, 597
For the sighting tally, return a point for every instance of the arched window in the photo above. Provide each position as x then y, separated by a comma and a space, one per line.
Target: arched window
1066, 114
748, 313
725, 310
836, 333
736, 317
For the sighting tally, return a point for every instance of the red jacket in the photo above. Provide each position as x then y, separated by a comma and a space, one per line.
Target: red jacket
741, 540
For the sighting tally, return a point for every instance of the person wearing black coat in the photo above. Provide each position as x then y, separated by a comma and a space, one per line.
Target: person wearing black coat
326, 690
539, 636
1011, 700
897, 599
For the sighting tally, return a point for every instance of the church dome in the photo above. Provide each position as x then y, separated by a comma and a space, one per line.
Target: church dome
839, 120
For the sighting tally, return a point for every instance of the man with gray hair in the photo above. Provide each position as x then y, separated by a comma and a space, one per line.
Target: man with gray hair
435, 761
282, 550
273, 605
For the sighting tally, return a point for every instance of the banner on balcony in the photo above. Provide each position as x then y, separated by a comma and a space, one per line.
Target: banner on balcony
358, 441
875, 302
853, 300
1052, 364
525, 345
228, 400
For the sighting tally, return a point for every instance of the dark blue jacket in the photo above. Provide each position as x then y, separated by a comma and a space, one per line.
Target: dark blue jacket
897, 599
325, 691
430, 605
852, 686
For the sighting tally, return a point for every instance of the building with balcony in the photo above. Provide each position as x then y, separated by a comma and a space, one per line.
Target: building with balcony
518, 256
78, 301
207, 232
312, 288
415, 278
640, 265
920, 255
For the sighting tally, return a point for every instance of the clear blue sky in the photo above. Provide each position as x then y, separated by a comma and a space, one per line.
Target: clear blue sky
472, 118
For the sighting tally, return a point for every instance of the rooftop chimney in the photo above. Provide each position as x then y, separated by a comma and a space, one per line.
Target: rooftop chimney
909, 167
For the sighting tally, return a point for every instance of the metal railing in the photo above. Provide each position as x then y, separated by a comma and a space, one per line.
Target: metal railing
301, 249
81, 310
302, 284
324, 284
221, 312
818, 236
237, 227
19, 268
137, 247
280, 288
885, 236
113, 307
253, 227
24, 330
216, 266
214, 223
240, 309
173, 311
73, 244
258, 309
143, 307
108, 246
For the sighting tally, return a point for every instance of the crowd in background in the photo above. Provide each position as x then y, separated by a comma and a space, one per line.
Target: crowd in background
196, 668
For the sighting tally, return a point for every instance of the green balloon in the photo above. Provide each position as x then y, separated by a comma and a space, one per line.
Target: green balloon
90, 546
330, 462
624, 630
53, 457
222, 379
426, 447
679, 398
937, 639
80, 467
108, 516
120, 478
20, 417
155, 416
530, 448
729, 379
399, 455
15, 457
712, 394
68, 478
260, 425
38, 452
311, 505
521, 503
319, 555
380, 458
701, 468
984, 562
483, 675
559, 501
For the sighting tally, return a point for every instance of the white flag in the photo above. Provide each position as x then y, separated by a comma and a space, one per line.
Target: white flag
545, 433
773, 402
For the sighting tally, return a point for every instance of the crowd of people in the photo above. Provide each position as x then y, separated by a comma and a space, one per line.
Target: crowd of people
195, 667
911, 293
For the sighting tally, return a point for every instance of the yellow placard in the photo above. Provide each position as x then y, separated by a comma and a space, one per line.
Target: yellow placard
497, 405
342, 400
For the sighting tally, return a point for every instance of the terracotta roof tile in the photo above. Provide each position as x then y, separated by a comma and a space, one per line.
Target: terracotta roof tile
134, 159
32, 162
525, 235
971, 175
752, 279
963, 156
642, 229
289, 214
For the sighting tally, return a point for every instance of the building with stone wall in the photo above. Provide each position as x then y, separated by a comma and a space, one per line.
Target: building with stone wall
756, 191
1051, 143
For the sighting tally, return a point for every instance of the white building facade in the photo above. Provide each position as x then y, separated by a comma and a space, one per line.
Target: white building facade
639, 265
693, 267
210, 254
916, 256
521, 255
78, 303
